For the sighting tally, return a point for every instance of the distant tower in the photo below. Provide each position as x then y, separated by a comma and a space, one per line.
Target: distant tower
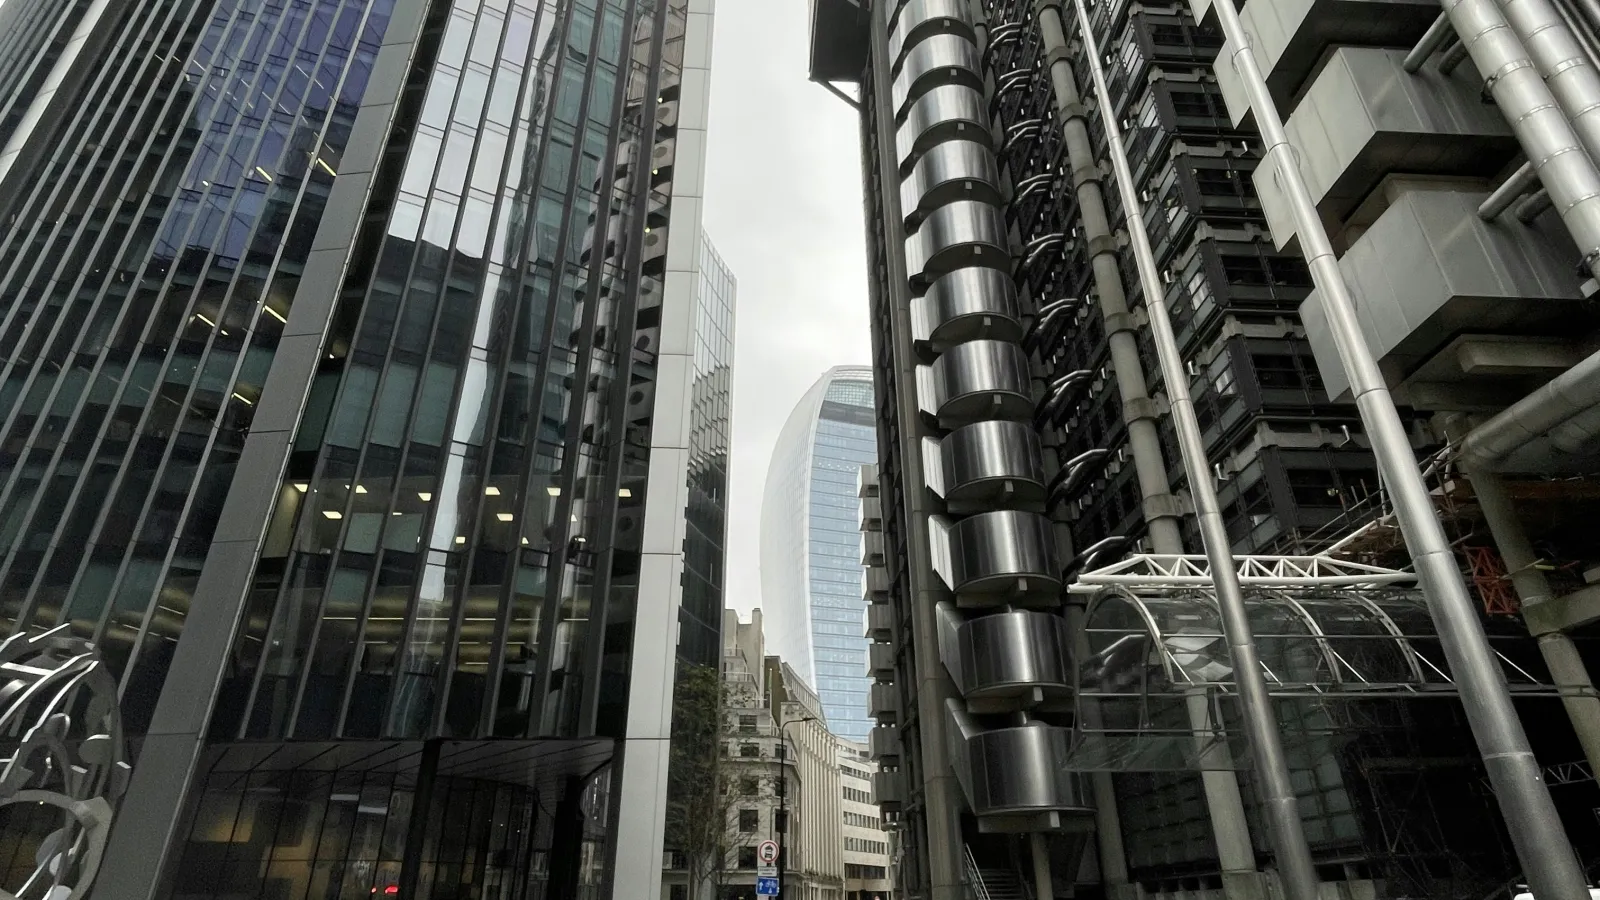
811, 543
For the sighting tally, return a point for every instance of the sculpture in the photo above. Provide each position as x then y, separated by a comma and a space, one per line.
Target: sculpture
60, 746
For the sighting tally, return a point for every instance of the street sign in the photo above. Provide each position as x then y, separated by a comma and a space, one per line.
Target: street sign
767, 852
766, 887
766, 871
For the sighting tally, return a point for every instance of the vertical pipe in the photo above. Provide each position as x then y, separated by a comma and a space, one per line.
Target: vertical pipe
1224, 803
1547, 136
1542, 846
1567, 670
1280, 807
1043, 883
1563, 64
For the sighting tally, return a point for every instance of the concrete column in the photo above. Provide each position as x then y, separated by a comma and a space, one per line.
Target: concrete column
1566, 666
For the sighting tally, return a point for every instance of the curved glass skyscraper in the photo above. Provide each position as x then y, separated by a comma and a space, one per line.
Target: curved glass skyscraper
811, 543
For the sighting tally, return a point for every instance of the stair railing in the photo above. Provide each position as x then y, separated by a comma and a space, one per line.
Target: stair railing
975, 878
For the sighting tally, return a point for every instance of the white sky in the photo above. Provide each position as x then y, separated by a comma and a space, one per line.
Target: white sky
783, 207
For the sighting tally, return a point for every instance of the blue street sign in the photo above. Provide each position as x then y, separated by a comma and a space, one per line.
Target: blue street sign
766, 887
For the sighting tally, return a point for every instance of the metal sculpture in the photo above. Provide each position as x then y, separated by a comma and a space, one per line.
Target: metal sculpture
60, 746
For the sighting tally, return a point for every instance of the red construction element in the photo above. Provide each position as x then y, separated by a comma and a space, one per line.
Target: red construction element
1491, 581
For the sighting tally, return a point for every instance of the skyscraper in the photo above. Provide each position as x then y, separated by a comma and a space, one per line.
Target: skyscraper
811, 543
357, 383
1026, 441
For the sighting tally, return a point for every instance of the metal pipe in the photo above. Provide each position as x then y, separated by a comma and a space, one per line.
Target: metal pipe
1435, 36
1566, 68
1541, 843
1452, 58
1043, 882
1572, 392
1279, 804
1585, 35
1531, 206
1567, 670
1508, 192
1224, 802
1548, 139
1590, 10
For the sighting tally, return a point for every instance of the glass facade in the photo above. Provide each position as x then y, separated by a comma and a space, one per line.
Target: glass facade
333, 356
811, 544
710, 421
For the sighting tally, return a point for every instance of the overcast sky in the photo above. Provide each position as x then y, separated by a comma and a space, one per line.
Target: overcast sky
783, 207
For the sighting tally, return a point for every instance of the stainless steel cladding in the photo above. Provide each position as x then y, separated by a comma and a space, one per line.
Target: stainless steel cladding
967, 305
992, 465
948, 112
954, 170
999, 558
967, 232
924, 17
1011, 771
1008, 661
979, 380
941, 59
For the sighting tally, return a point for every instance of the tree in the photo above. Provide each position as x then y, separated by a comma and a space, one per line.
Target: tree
701, 793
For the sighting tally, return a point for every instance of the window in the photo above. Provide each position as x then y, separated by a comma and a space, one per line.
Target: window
747, 857
749, 821
749, 787
857, 796
747, 724
749, 751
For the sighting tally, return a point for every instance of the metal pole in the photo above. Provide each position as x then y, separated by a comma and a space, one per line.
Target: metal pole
1437, 34
1542, 847
1508, 192
1279, 805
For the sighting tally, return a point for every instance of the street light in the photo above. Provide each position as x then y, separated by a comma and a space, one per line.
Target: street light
783, 795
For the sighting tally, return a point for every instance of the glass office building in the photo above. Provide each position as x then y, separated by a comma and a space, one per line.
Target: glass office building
351, 354
811, 543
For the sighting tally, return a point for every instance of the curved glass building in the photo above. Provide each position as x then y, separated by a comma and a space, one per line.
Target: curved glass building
811, 543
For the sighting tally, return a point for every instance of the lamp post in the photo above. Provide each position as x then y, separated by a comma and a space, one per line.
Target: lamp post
783, 795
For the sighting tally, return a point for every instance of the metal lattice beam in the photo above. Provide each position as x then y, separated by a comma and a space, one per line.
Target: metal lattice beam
1154, 571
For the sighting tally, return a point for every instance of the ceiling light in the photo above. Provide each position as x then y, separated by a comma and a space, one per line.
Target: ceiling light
624, 493
491, 491
275, 314
333, 514
263, 173
325, 167
360, 489
460, 539
301, 487
398, 513
553, 491
504, 517
242, 399
425, 496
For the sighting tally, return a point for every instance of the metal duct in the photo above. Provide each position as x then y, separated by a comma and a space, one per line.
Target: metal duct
1008, 661
999, 558
991, 465
923, 17
954, 170
966, 305
948, 112
941, 59
965, 233
1012, 771
1566, 403
978, 381
1547, 137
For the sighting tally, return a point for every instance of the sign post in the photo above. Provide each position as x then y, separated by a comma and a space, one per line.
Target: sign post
767, 877
766, 887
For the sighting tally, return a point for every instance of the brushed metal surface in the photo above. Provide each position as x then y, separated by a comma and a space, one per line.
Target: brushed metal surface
948, 172
961, 234
940, 59
999, 558
947, 112
1006, 655
992, 465
978, 381
1012, 771
966, 305
921, 18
